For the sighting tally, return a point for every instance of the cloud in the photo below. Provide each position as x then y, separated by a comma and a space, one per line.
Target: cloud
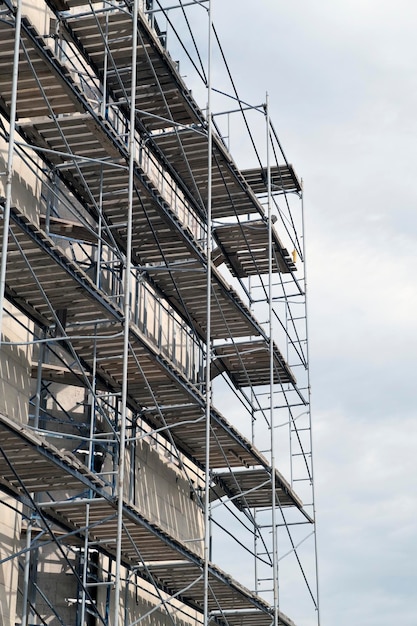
367, 530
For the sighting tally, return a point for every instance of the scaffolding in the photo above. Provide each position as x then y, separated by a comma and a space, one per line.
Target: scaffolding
145, 281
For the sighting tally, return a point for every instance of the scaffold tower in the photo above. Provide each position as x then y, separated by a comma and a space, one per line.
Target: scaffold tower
156, 461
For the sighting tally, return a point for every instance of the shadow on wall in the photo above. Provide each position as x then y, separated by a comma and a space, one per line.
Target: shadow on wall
57, 585
163, 494
15, 369
26, 187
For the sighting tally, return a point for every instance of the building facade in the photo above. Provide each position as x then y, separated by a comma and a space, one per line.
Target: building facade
154, 391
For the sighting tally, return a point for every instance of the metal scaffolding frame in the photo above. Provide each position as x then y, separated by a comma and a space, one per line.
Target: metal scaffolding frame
150, 275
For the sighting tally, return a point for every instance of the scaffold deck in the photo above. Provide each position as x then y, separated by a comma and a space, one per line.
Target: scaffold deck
245, 249
247, 363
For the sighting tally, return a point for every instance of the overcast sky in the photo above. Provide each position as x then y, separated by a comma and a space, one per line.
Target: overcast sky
342, 81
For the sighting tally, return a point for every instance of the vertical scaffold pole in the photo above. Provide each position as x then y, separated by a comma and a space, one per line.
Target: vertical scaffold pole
9, 167
271, 374
127, 306
313, 499
206, 616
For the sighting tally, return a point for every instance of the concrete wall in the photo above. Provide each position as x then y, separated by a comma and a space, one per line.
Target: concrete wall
55, 578
26, 186
39, 15
15, 364
138, 600
164, 495
9, 544
15, 367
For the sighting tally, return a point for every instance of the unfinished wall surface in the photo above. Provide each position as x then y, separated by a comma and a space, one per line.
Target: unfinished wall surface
52, 571
15, 366
165, 495
140, 604
26, 186
9, 543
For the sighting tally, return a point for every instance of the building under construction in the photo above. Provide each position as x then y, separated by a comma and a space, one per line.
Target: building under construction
155, 435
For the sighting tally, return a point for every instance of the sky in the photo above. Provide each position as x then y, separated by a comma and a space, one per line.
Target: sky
342, 83
341, 78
